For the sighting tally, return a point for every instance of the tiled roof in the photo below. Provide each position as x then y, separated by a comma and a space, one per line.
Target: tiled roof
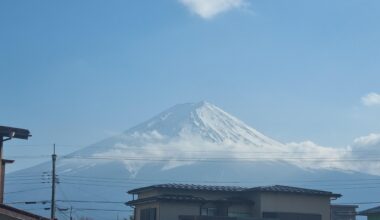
290, 189
191, 187
275, 188
375, 210
187, 198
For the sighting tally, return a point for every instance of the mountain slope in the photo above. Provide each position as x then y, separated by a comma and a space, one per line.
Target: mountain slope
192, 143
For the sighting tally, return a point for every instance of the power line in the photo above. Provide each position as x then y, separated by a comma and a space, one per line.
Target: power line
23, 175
91, 193
68, 201
170, 148
90, 184
90, 201
65, 197
63, 214
30, 202
107, 210
46, 145
362, 160
212, 181
27, 190
224, 159
112, 182
72, 179
122, 182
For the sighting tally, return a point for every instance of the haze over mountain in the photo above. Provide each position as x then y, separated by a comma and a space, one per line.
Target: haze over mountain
191, 143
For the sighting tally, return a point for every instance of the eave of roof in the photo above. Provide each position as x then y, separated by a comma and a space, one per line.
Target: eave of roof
293, 190
22, 212
275, 188
371, 211
186, 198
344, 206
191, 187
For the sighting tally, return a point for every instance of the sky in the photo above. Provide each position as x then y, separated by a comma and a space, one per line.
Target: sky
75, 72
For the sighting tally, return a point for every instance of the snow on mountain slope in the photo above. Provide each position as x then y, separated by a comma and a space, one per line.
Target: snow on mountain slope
198, 132
190, 143
205, 120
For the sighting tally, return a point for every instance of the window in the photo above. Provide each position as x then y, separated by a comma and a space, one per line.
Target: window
209, 211
240, 211
291, 216
239, 214
148, 214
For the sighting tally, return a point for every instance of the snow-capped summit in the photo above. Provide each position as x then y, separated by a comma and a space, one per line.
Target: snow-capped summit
193, 142
180, 134
203, 119
187, 133
202, 130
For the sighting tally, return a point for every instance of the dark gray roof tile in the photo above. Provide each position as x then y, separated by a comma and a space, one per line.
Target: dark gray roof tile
371, 211
275, 188
191, 187
291, 189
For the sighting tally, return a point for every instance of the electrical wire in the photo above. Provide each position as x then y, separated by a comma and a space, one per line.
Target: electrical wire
169, 148
27, 190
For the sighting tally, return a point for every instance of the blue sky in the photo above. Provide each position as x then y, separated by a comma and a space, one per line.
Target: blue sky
74, 72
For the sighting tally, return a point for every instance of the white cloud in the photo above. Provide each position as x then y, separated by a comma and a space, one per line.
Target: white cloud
371, 99
370, 140
188, 148
366, 149
210, 8
312, 156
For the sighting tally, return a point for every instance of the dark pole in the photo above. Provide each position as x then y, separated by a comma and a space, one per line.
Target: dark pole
2, 170
71, 213
2, 182
6, 134
1, 147
54, 158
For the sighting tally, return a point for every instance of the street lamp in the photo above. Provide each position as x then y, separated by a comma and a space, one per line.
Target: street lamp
8, 133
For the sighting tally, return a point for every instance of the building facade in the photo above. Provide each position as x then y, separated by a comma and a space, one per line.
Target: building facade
198, 202
343, 212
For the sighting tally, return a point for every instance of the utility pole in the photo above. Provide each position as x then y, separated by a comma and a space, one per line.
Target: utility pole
6, 134
2, 172
71, 212
52, 208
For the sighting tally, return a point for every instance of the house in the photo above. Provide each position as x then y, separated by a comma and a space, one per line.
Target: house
10, 213
200, 202
343, 212
372, 214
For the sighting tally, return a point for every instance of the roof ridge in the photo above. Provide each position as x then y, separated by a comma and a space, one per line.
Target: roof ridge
218, 188
293, 189
191, 187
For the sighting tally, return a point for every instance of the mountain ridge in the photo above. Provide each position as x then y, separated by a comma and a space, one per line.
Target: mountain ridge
187, 133
194, 143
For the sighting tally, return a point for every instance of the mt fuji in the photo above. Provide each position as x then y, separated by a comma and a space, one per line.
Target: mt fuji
188, 143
